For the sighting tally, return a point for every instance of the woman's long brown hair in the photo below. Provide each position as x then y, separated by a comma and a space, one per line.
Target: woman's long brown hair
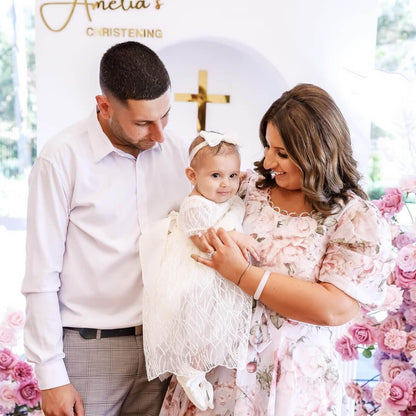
317, 139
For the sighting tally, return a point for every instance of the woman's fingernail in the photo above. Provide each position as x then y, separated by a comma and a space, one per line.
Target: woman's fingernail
195, 257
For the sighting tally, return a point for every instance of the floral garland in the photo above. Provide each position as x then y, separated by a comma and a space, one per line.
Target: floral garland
389, 339
19, 391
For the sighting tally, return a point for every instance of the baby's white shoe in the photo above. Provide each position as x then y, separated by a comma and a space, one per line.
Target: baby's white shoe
198, 390
209, 392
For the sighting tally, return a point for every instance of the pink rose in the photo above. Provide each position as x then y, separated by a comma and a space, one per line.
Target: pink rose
8, 395
395, 339
408, 184
362, 332
28, 393
390, 203
392, 368
7, 336
410, 343
353, 391
392, 321
346, 348
406, 258
393, 299
381, 391
379, 203
403, 239
404, 279
401, 391
22, 371
387, 342
7, 360
15, 319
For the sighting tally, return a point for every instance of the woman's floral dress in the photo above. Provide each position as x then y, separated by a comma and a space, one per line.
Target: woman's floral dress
292, 368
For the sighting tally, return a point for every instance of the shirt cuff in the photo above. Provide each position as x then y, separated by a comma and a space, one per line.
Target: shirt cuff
51, 375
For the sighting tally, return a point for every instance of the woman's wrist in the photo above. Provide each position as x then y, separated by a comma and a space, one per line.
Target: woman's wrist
252, 280
242, 274
261, 285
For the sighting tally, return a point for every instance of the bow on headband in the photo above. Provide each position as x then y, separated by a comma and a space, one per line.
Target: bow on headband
212, 139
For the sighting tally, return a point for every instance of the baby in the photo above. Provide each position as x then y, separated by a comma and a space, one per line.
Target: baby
194, 319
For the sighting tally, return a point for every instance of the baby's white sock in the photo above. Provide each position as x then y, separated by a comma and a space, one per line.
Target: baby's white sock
198, 390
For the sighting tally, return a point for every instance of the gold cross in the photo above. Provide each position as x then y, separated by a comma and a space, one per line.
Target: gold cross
202, 98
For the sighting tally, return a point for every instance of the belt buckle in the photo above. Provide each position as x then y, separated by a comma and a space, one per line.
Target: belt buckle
88, 333
138, 330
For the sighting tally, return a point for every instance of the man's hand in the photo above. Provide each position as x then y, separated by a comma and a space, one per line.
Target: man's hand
62, 401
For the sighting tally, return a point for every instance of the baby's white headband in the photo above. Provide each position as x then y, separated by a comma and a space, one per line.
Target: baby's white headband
212, 139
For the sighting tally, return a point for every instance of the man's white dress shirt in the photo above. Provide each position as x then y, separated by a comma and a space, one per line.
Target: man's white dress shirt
88, 202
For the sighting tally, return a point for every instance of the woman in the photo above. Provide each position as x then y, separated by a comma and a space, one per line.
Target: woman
324, 252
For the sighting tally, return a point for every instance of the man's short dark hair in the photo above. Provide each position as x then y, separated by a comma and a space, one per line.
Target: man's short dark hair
131, 70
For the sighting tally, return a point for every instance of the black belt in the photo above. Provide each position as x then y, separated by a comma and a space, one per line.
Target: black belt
91, 333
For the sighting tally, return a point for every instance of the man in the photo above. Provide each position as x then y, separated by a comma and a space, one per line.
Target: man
92, 190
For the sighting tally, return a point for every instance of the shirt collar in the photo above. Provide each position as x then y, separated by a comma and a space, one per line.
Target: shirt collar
100, 143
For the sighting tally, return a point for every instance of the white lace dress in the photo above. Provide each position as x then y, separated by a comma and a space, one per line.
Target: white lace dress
193, 318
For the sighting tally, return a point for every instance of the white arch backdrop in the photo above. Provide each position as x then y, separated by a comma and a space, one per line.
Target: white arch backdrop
254, 85
252, 52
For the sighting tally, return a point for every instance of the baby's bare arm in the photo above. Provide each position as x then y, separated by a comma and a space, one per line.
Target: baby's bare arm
246, 243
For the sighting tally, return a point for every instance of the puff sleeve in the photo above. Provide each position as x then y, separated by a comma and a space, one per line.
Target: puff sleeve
359, 255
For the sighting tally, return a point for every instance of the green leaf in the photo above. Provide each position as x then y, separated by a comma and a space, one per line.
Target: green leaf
367, 353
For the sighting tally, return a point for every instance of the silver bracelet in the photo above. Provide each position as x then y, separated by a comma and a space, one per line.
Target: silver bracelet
261, 285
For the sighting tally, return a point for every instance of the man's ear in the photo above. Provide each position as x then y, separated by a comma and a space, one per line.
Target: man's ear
191, 175
104, 106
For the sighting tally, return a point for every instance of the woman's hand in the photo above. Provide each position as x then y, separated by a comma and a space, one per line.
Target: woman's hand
246, 243
227, 259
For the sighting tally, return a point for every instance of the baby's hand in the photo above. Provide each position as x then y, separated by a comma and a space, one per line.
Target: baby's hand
246, 243
201, 242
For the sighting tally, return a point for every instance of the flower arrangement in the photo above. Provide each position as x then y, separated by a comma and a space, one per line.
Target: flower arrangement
389, 336
19, 391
